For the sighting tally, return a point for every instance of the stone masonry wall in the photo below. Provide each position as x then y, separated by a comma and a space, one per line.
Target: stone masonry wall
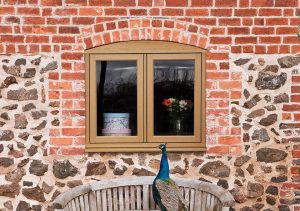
252, 96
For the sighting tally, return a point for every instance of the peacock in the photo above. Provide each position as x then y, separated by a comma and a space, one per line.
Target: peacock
165, 191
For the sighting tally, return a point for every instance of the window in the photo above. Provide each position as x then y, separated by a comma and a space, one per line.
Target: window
142, 93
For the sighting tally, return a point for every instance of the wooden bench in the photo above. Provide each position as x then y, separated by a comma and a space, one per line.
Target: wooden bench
135, 193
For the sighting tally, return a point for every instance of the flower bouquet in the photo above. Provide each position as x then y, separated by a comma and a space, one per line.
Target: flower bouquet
178, 111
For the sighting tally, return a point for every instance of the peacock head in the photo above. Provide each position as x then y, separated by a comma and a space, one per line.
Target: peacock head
162, 147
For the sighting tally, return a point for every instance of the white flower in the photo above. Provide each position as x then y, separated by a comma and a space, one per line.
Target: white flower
172, 99
183, 104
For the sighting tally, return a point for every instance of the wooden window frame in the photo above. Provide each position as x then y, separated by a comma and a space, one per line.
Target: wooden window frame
144, 52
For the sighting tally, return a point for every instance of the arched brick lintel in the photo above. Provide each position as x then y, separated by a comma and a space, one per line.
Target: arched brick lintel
145, 29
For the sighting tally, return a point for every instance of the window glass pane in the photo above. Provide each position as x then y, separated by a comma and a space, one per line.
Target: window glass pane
116, 98
174, 97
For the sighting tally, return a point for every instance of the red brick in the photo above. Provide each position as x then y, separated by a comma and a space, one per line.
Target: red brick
58, 21
76, 2
262, 3
72, 76
66, 12
245, 40
247, 21
138, 12
219, 94
34, 20
53, 76
53, 94
217, 75
217, 30
295, 89
230, 21
296, 79
270, 12
61, 141
284, 49
238, 30
176, 3
286, 30
285, 3
5, 29
263, 30
221, 12
83, 20
202, 3
73, 95
269, 40
220, 40
63, 39
277, 21
73, 113
244, 3
116, 11
68, 30
11, 38
15, 2
259, 49
51, 2
227, 3
218, 150
172, 12
295, 98
73, 151
206, 21
292, 107
37, 39
72, 56
245, 12
229, 140
90, 11
217, 56
100, 2
296, 153
230, 85
294, 21
290, 39
28, 11
125, 3
145, 3
196, 12
272, 49
193, 29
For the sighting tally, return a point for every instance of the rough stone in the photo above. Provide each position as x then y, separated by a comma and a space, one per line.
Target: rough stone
235, 121
250, 169
128, 161
50, 66
261, 135
238, 182
11, 190
283, 208
174, 157
2, 124
241, 61
246, 137
256, 113
269, 120
120, 170
10, 107
38, 137
20, 121
270, 108
258, 206
266, 169
30, 73
269, 155
254, 190
252, 102
279, 179
261, 61
27, 183
238, 195
178, 170
236, 112
112, 164
95, 168
22, 94
142, 172
8, 205
38, 168
36, 61
271, 68
6, 162
8, 81
16, 175
35, 193
32, 150
246, 126
6, 135
28, 107
47, 188
29, 83
273, 190
55, 122
215, 169
270, 200
250, 79
54, 104
64, 169
223, 183
196, 162
23, 162
1, 148
239, 172
16, 153
55, 194
24, 136
74, 183
41, 126
21, 61
288, 61
271, 82
281, 169
60, 184
281, 98
241, 160
23, 206
12, 70
38, 114
5, 116
36, 207
246, 93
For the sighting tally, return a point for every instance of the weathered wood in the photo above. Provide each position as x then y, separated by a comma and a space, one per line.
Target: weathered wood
136, 194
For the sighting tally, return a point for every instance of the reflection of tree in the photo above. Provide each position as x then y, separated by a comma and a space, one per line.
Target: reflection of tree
100, 94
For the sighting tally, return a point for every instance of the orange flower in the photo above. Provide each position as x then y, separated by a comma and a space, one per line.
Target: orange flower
167, 102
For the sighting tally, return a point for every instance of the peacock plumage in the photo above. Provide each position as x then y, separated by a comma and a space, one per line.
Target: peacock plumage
165, 191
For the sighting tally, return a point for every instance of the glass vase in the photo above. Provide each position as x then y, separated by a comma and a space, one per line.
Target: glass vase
177, 126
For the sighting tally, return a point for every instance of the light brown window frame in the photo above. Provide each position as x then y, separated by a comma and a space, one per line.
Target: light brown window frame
144, 52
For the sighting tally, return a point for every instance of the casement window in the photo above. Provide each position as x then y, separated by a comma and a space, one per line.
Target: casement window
143, 93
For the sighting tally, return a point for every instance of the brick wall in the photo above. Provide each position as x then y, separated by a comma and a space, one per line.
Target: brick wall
229, 29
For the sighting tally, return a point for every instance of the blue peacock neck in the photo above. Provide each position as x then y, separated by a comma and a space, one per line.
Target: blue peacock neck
164, 166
